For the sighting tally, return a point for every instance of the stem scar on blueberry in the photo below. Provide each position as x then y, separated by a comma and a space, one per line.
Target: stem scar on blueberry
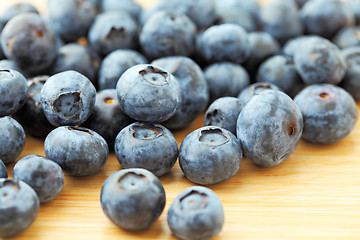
80, 129
151, 69
291, 130
109, 100
324, 95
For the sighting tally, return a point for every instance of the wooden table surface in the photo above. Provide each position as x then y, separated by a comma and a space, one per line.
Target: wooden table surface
314, 194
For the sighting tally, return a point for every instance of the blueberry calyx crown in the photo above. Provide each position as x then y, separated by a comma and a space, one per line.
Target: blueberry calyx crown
131, 181
193, 200
81, 129
155, 76
70, 102
146, 131
213, 137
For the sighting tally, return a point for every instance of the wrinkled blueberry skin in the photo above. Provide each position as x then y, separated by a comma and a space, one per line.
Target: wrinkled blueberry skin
79, 151
13, 92
15, 10
210, 155
168, 33
224, 112
281, 20
319, 61
133, 198
12, 137
43, 175
31, 116
149, 94
280, 71
115, 64
113, 30
293, 44
225, 42
67, 98
19, 207
269, 128
28, 41
351, 81
196, 213
247, 93
79, 58
347, 37
71, 19
107, 118
3, 170
326, 17
225, 79
146, 145
330, 113
194, 88
263, 46
128, 6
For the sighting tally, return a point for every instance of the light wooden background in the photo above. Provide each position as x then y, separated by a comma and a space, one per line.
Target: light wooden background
314, 194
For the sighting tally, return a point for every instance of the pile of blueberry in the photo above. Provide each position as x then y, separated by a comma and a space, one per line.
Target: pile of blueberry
97, 76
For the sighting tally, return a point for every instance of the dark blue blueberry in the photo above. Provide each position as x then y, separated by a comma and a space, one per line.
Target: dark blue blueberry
269, 128
224, 112
225, 42
146, 145
13, 91
3, 171
42, 174
67, 98
31, 116
294, 44
196, 213
115, 64
129, 6
168, 33
12, 138
347, 37
28, 41
147, 93
194, 88
247, 93
71, 19
351, 81
113, 30
319, 61
281, 20
326, 17
19, 207
280, 71
133, 198
79, 151
330, 113
15, 10
78, 58
225, 79
263, 46
210, 155
107, 118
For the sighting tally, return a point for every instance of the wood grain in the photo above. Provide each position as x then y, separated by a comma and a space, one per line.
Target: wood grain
314, 194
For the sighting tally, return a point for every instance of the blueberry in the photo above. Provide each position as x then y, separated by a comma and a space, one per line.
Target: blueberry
355, 6
326, 17
9, 65
67, 98
196, 213
168, 33
31, 116
225, 79
148, 93
330, 113
107, 118
12, 137
132, 198
129, 6
280, 70
42, 174
256, 88
115, 64
347, 37
229, 12
210, 155
269, 128
13, 92
194, 88
293, 44
351, 81
146, 145
79, 151
19, 207
319, 61
17, 9
71, 19
28, 41
224, 112
113, 30
225, 42
3, 171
